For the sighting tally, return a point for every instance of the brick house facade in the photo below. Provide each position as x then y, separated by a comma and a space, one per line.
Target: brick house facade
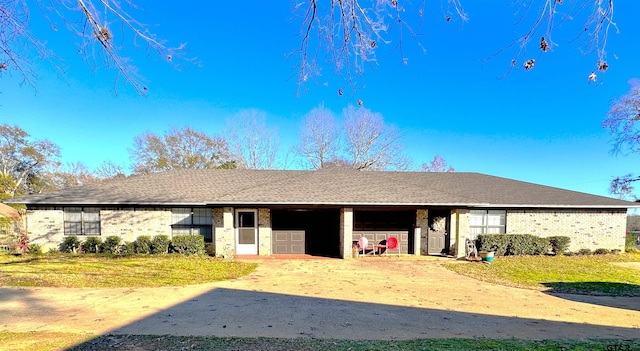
324, 212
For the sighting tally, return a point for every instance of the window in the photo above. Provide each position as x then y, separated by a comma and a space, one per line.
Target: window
81, 221
187, 221
487, 222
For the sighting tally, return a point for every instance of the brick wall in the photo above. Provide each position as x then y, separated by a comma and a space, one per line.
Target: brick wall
45, 228
422, 227
346, 233
264, 231
590, 229
223, 232
129, 224
458, 239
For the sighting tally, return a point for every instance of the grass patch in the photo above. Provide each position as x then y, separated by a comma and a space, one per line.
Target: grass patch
588, 275
97, 271
156, 342
38, 341
81, 342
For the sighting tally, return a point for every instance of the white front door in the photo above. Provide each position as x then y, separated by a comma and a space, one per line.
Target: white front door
246, 232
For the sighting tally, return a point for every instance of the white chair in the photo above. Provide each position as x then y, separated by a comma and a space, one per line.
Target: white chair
363, 244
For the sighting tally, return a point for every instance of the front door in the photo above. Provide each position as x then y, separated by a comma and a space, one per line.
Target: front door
246, 232
438, 232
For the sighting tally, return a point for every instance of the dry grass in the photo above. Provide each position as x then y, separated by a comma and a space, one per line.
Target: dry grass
590, 275
93, 271
80, 342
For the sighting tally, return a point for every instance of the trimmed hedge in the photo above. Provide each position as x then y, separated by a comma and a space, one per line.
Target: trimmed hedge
111, 245
188, 244
160, 244
91, 245
143, 244
70, 244
210, 249
559, 244
128, 248
512, 244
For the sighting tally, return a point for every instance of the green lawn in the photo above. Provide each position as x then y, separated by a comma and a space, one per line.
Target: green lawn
590, 275
116, 272
79, 342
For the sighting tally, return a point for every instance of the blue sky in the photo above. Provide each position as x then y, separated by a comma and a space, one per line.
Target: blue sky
541, 126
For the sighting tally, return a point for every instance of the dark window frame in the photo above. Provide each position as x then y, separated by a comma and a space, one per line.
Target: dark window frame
193, 225
85, 226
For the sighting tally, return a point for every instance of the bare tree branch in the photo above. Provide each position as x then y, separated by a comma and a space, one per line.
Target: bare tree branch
438, 164
320, 138
253, 144
370, 143
90, 20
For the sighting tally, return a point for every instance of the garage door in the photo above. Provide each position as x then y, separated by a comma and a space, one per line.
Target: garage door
288, 241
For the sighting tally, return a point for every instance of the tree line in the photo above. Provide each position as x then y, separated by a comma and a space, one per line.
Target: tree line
358, 138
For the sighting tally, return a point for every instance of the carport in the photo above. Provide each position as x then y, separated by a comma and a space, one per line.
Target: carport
306, 231
379, 224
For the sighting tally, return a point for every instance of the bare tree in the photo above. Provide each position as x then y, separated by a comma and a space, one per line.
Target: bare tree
370, 143
349, 32
91, 21
23, 161
110, 170
320, 138
622, 122
72, 175
177, 149
438, 164
253, 144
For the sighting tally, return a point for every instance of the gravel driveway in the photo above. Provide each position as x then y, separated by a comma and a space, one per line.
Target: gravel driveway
370, 298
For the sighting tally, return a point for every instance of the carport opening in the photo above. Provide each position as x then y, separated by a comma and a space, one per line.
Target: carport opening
321, 231
378, 225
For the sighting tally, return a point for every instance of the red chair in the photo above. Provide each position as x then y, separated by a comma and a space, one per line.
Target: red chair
390, 244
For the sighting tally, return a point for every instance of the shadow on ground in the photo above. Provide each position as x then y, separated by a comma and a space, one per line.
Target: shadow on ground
581, 291
230, 312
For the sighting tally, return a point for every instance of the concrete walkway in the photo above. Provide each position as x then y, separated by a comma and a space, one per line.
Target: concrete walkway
370, 298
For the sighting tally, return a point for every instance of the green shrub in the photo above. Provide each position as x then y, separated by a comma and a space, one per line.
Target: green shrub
111, 245
188, 244
210, 249
160, 244
616, 251
559, 244
143, 244
630, 239
70, 244
601, 251
584, 252
512, 244
35, 249
91, 245
128, 248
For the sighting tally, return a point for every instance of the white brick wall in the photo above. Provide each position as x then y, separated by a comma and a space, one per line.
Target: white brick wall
264, 232
223, 232
45, 228
129, 224
587, 228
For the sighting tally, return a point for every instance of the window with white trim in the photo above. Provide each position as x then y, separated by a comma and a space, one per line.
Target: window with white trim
487, 222
188, 221
81, 221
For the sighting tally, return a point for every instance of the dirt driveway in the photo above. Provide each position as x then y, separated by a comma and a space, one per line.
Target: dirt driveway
371, 298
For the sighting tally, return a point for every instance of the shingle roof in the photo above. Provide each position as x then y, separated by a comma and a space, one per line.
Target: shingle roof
324, 187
